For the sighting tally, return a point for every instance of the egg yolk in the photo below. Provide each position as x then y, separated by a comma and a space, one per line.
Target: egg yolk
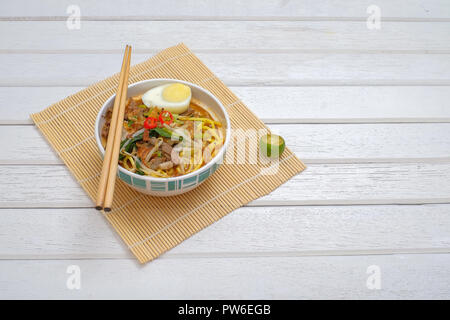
176, 92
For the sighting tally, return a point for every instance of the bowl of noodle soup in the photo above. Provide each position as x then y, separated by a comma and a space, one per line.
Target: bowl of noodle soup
165, 153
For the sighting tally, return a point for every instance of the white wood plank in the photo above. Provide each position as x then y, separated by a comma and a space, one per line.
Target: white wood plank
321, 143
240, 69
346, 104
257, 231
14, 111
402, 276
232, 9
201, 36
300, 104
321, 184
314, 143
57, 233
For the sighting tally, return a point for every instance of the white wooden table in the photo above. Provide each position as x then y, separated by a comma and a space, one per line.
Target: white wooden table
367, 109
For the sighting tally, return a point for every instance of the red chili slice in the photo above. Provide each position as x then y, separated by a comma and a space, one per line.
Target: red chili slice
150, 123
166, 114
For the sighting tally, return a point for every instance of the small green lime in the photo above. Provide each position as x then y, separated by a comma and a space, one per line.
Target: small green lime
272, 145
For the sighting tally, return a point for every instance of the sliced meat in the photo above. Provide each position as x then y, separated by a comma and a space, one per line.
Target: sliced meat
166, 165
153, 140
146, 137
169, 141
155, 162
175, 154
143, 151
166, 148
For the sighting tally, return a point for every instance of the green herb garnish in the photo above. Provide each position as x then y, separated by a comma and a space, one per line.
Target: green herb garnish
166, 133
132, 143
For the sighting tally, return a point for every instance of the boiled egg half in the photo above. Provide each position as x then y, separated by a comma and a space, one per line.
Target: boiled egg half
173, 97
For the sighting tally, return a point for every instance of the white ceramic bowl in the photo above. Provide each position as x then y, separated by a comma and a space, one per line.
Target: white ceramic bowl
177, 185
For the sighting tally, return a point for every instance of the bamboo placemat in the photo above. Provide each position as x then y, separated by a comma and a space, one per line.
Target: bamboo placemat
152, 225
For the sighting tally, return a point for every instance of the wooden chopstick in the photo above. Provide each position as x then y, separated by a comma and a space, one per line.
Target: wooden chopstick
110, 160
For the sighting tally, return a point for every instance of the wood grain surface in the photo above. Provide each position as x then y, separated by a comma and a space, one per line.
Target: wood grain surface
367, 110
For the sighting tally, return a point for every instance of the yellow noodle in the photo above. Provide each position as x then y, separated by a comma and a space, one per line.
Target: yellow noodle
200, 119
131, 161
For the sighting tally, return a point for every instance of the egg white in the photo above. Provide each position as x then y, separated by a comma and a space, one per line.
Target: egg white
154, 98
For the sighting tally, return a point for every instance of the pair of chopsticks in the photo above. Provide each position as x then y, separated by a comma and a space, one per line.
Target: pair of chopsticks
111, 158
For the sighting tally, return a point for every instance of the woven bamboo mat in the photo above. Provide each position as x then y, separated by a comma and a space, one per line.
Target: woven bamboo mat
151, 225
